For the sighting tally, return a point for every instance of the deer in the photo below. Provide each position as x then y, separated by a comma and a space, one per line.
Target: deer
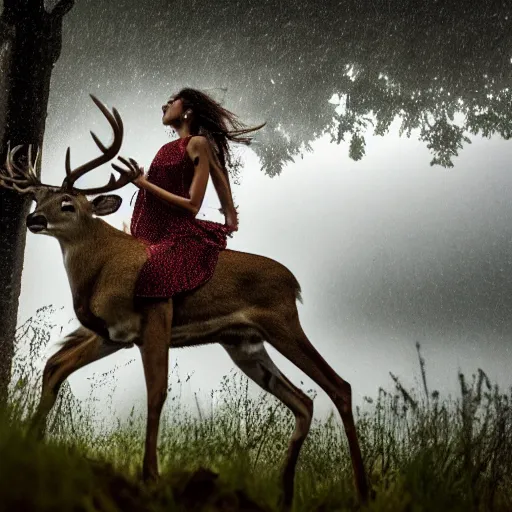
249, 300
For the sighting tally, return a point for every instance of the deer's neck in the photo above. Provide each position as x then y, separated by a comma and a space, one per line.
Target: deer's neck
85, 254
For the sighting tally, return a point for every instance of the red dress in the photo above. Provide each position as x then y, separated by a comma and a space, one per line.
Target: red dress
182, 250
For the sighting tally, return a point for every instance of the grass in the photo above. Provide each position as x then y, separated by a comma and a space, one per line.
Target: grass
422, 451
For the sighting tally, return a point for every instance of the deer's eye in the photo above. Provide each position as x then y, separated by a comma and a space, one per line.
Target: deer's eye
67, 206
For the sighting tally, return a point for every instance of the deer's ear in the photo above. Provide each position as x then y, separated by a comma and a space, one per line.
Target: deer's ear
105, 205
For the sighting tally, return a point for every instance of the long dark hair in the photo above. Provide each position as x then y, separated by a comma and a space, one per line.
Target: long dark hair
219, 125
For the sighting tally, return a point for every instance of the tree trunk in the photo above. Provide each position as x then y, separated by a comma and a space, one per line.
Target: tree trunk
30, 44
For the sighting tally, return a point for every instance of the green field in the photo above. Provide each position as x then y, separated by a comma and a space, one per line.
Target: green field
423, 452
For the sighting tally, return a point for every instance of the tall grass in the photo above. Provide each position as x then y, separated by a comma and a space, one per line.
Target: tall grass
422, 451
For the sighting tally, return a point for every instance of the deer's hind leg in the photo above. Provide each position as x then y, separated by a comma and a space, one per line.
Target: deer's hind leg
249, 354
80, 348
281, 328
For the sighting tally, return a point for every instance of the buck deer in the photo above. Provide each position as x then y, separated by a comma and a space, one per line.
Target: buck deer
250, 299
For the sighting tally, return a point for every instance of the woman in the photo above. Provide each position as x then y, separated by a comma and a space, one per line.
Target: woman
183, 250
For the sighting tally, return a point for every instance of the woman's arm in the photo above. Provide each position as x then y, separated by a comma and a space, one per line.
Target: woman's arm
197, 189
200, 146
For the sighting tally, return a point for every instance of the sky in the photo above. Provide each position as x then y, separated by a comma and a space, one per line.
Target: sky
389, 251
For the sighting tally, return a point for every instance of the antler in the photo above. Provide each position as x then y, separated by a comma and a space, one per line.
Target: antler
21, 180
108, 153
26, 180
127, 176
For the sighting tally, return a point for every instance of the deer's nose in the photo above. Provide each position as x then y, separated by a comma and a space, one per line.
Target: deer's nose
36, 222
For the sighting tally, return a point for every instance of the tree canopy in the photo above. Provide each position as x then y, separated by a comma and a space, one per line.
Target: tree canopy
443, 69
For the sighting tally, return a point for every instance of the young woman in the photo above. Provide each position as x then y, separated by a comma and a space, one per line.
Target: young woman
183, 250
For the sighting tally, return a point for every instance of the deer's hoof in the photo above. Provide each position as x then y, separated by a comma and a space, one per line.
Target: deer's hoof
284, 502
149, 476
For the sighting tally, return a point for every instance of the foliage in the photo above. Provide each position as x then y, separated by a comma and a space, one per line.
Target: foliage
422, 452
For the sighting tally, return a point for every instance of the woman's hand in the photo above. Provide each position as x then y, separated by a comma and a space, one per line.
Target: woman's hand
140, 180
232, 220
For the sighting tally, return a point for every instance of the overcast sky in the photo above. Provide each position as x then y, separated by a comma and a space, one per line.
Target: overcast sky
388, 250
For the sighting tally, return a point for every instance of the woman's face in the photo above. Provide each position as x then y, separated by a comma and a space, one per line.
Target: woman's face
172, 110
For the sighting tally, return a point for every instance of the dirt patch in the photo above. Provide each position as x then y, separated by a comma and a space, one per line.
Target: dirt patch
191, 491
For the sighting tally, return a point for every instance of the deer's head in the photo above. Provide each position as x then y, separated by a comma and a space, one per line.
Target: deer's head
63, 210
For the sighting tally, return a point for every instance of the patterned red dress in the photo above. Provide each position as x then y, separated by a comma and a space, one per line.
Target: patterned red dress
182, 250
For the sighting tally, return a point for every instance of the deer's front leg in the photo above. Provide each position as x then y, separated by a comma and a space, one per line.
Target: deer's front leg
156, 333
123, 322
80, 348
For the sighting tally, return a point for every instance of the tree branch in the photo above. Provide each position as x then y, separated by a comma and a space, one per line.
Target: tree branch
18, 10
62, 8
